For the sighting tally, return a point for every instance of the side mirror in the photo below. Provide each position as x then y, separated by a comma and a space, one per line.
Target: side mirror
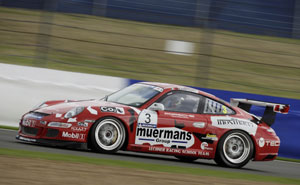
156, 107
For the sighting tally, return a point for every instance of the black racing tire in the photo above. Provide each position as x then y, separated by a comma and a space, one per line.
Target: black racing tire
234, 150
186, 158
107, 135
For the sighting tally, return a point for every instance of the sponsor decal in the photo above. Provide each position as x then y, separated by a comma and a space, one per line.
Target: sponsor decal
118, 110
263, 142
58, 115
79, 129
199, 124
234, 123
92, 111
147, 118
178, 151
89, 121
28, 123
212, 137
73, 135
72, 120
204, 146
272, 143
202, 153
27, 139
178, 115
165, 136
82, 124
147, 132
159, 89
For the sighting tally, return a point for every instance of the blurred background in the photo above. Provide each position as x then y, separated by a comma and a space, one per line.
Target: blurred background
239, 45
230, 48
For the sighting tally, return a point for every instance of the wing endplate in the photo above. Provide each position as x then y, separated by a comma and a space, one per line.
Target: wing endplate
270, 110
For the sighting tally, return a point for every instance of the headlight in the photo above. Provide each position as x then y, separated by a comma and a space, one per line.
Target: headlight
59, 124
73, 112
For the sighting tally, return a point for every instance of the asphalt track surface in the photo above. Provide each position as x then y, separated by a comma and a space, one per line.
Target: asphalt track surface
273, 168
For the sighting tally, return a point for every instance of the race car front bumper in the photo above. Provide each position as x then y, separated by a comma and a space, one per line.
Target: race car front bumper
51, 142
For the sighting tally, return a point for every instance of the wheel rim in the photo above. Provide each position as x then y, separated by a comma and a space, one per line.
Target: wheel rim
236, 148
108, 134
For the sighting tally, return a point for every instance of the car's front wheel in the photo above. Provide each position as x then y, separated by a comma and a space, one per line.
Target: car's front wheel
235, 149
108, 135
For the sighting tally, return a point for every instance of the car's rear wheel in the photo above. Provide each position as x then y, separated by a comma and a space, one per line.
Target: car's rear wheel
108, 135
235, 149
186, 158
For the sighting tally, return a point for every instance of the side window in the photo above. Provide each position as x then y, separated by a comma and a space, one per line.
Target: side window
181, 102
214, 107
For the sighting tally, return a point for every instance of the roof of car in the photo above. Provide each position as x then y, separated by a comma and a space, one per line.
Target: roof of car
179, 87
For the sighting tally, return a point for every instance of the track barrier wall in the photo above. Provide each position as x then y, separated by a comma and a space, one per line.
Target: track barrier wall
22, 88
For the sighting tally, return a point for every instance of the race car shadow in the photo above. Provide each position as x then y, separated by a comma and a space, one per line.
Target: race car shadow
138, 157
165, 159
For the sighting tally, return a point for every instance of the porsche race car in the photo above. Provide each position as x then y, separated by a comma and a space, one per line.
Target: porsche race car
159, 118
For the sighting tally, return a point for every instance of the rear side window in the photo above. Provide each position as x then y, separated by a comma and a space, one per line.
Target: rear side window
214, 107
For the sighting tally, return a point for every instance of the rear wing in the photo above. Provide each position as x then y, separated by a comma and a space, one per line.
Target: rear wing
270, 111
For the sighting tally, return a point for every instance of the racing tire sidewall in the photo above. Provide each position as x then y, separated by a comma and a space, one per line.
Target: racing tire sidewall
96, 140
223, 159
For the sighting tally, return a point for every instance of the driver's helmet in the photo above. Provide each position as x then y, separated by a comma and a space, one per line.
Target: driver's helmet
174, 102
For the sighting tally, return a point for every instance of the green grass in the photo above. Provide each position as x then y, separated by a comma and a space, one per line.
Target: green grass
9, 127
147, 166
136, 50
288, 159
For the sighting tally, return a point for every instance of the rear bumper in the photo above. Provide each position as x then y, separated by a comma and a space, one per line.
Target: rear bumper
266, 157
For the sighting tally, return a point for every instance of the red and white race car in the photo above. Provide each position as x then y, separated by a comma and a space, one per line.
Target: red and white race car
159, 118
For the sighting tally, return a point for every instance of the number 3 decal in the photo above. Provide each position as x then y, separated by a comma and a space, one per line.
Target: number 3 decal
224, 109
148, 118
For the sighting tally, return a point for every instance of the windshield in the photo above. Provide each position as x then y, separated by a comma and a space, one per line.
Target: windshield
135, 95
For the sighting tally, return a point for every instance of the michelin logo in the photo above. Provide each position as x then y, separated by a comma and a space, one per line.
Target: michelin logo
234, 123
